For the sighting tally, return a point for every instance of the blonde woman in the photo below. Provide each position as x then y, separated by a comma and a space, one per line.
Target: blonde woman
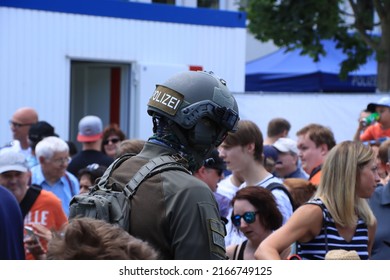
338, 217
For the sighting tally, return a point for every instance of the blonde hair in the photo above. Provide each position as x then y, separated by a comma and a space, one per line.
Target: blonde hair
339, 177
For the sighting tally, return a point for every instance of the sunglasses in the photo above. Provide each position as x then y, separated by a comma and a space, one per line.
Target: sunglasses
112, 140
249, 218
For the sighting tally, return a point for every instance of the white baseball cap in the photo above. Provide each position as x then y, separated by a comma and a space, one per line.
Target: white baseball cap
13, 161
285, 145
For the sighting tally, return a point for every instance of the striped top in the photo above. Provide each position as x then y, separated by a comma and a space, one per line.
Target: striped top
330, 238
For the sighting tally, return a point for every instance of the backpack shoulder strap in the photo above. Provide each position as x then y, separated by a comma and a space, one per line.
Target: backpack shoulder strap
280, 186
28, 200
104, 179
154, 166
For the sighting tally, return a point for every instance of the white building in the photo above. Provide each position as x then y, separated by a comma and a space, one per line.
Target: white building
69, 58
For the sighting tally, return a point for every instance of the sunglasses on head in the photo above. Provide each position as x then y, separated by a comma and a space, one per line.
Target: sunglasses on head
249, 218
93, 166
112, 140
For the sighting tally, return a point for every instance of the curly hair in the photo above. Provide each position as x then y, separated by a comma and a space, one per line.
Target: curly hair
91, 239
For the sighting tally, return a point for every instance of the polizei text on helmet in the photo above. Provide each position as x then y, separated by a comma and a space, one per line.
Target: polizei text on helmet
166, 99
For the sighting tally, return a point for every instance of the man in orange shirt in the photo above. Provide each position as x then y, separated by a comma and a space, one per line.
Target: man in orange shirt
314, 143
379, 130
38, 206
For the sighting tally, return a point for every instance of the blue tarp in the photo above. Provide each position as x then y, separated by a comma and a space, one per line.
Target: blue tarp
291, 72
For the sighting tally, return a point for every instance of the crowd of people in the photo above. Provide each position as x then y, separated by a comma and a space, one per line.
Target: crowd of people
242, 196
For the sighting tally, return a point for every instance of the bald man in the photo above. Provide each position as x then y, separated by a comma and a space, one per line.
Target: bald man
20, 124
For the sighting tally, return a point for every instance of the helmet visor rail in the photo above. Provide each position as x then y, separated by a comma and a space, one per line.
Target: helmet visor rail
223, 116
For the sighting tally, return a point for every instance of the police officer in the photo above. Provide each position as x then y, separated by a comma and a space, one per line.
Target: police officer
175, 212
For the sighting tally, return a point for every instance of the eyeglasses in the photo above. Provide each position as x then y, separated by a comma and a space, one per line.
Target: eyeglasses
60, 161
19, 125
112, 140
249, 218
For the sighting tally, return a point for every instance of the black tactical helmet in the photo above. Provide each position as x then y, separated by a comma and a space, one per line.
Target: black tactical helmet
192, 98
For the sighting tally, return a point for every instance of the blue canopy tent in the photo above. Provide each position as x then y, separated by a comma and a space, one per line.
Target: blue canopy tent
283, 71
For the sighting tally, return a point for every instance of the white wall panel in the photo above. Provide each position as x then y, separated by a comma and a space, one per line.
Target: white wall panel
36, 48
339, 112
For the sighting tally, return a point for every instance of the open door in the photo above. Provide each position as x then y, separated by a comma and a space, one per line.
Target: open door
101, 89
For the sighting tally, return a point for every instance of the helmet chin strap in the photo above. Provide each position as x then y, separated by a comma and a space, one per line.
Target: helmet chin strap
171, 134
194, 157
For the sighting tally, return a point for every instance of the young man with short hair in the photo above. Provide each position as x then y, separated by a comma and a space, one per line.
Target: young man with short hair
314, 143
242, 151
90, 135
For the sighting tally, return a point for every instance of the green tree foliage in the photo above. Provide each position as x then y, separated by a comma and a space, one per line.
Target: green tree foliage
302, 24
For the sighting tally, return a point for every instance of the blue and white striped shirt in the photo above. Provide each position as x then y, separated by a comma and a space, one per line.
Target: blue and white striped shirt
316, 248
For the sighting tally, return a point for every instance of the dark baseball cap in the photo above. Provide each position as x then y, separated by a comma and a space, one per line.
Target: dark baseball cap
40, 130
270, 151
214, 161
384, 101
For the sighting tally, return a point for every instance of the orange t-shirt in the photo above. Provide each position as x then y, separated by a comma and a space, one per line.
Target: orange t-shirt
374, 132
315, 180
47, 211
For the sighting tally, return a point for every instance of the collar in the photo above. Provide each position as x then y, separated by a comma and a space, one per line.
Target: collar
315, 171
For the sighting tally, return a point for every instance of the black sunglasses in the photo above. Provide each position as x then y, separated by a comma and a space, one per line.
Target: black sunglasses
113, 141
249, 218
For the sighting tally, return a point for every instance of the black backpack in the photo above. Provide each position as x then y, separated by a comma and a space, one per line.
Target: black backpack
105, 202
280, 186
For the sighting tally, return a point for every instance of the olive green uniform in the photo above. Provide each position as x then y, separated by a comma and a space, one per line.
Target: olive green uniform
173, 211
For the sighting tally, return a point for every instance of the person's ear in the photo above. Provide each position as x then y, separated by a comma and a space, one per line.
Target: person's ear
324, 149
251, 147
41, 159
387, 166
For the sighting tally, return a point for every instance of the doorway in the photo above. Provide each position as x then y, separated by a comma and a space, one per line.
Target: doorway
101, 89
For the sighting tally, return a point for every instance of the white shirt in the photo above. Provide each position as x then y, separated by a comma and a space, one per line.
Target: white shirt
226, 187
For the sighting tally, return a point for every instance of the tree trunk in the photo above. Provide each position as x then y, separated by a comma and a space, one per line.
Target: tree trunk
383, 56
383, 75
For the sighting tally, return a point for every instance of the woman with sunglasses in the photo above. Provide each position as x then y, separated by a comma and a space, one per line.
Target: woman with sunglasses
112, 137
256, 215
